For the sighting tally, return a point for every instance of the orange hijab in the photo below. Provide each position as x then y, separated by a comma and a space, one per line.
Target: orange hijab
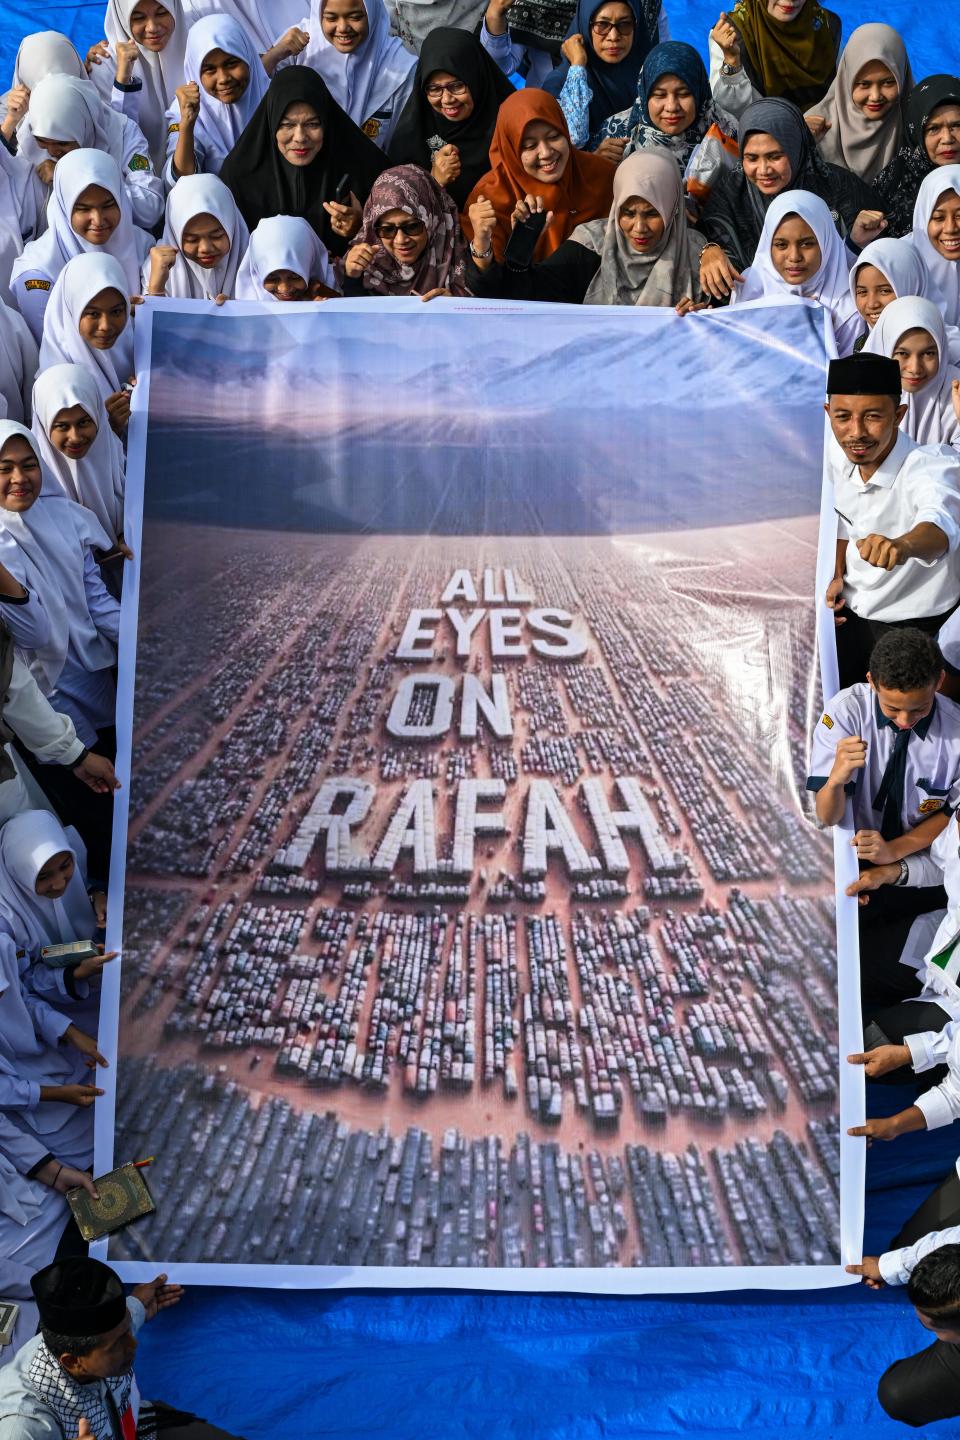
584, 193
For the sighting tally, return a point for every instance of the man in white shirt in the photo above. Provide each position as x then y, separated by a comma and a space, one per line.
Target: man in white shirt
923, 1388
898, 515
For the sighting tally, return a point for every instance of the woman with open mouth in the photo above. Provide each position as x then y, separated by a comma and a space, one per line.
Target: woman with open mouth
936, 237
860, 121
533, 159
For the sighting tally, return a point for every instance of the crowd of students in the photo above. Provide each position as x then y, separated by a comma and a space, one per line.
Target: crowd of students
220, 150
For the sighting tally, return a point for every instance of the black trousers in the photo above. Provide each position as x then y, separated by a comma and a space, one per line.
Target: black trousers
78, 805
856, 639
163, 1422
883, 980
925, 1387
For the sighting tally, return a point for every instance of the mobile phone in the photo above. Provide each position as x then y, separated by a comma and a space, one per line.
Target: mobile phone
518, 254
342, 192
70, 952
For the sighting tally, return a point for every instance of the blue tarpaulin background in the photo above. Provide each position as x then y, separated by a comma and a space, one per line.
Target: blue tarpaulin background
422, 1365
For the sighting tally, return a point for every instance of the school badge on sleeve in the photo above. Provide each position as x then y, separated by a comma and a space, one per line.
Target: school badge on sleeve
927, 807
138, 162
825, 720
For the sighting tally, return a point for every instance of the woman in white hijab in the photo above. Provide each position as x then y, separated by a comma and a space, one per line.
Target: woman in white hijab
223, 63
52, 540
87, 322
936, 237
800, 253
370, 78
67, 114
44, 901
45, 1068
204, 242
886, 270
77, 445
859, 123
911, 331
285, 260
89, 211
140, 66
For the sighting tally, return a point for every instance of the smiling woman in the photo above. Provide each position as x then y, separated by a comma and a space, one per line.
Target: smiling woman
224, 82
864, 109
911, 331
203, 242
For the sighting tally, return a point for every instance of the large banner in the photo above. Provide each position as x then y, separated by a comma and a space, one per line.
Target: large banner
476, 930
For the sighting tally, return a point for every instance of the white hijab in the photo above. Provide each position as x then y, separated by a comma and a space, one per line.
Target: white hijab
220, 126
944, 274
195, 195
283, 242
363, 82
96, 481
44, 548
79, 281
930, 417
44, 53
65, 108
60, 242
902, 266
18, 362
161, 72
831, 283
27, 842
264, 20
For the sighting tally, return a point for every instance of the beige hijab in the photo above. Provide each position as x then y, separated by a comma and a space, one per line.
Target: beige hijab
858, 144
669, 272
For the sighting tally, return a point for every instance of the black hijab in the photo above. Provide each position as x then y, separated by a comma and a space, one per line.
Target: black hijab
898, 184
265, 184
421, 130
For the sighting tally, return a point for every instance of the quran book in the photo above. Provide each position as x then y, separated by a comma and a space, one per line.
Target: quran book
8, 1318
123, 1197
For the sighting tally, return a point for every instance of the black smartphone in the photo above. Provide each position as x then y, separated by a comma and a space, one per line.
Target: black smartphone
518, 254
342, 192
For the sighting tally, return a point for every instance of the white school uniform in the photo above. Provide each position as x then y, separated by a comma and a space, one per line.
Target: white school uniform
915, 483
896, 1266
932, 783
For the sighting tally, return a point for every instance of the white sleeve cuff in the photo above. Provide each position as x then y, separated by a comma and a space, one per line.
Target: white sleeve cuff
892, 1267
920, 1054
935, 1108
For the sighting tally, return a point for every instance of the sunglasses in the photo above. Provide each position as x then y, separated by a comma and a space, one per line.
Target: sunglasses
614, 27
410, 228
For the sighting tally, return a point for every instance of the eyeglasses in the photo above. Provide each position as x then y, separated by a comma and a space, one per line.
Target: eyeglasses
410, 228
455, 88
612, 27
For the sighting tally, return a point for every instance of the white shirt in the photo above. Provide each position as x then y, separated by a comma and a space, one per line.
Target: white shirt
939, 1105
914, 484
896, 1266
932, 782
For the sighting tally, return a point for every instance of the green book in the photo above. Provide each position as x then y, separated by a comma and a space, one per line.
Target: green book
123, 1197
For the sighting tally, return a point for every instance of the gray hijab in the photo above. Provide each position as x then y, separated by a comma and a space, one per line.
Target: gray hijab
671, 270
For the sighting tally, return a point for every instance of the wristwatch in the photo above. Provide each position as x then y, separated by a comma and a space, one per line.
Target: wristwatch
481, 254
81, 757
729, 70
904, 875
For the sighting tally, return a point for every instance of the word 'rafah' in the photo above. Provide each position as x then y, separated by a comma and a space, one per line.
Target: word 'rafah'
343, 802
511, 632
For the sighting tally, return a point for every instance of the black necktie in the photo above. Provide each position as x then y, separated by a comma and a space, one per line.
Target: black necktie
889, 797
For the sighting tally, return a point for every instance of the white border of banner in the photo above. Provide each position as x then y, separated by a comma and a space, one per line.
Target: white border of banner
628, 1280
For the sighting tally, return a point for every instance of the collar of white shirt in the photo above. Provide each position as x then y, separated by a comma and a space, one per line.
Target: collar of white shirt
887, 471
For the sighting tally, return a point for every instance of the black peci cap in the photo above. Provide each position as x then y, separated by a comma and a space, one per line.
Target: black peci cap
864, 374
79, 1297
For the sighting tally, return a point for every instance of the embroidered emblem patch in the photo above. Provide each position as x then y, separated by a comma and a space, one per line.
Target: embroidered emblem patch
371, 128
825, 720
37, 284
139, 162
927, 807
